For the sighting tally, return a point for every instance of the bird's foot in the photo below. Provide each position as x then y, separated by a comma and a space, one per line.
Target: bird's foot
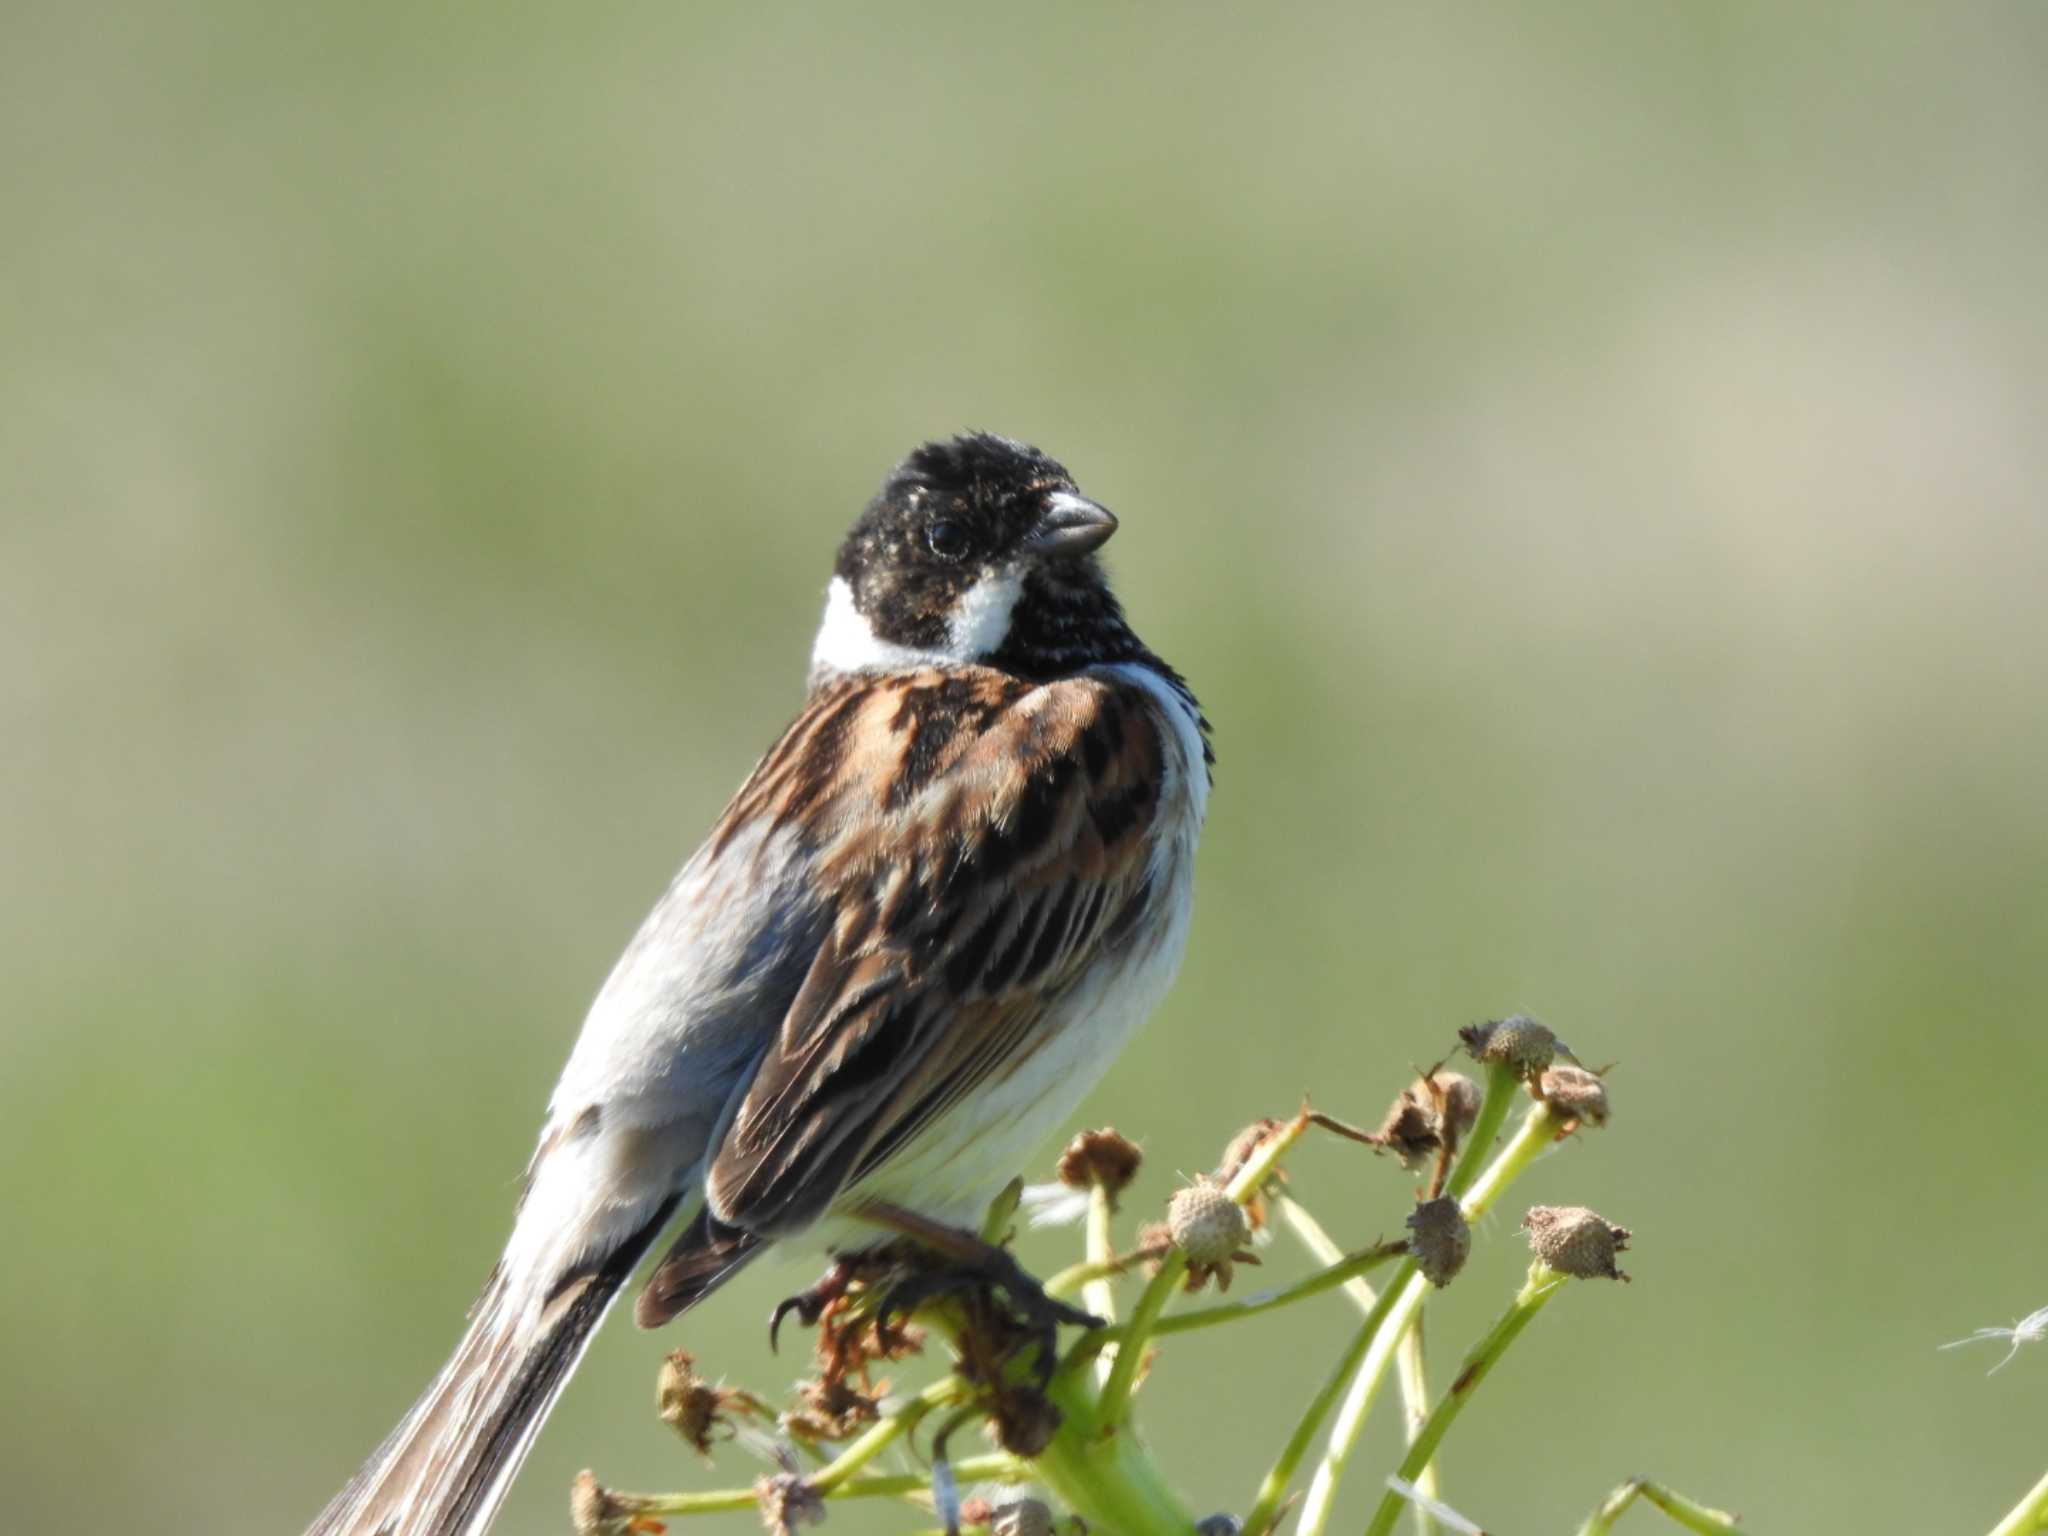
810, 1305
1000, 1297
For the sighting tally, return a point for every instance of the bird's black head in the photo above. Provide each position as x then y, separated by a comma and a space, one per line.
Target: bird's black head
977, 549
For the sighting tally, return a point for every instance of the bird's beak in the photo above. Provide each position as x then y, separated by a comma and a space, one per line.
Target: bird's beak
1072, 525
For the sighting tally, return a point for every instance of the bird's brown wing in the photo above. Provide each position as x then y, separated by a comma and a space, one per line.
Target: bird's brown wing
982, 840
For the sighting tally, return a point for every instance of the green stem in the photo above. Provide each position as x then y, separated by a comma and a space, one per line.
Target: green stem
1414, 1379
1543, 1283
1347, 1269
1321, 1246
1538, 1131
1077, 1276
1611, 1509
1693, 1516
974, 1469
995, 1221
1097, 1294
1478, 1191
1501, 1084
881, 1436
1130, 1353
1102, 1472
1714, 1522
1265, 1510
2030, 1514
1130, 1356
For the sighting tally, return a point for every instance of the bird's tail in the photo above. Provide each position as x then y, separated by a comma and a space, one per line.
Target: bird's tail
448, 1465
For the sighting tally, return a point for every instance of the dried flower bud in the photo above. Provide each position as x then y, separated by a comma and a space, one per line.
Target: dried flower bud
1243, 1145
1207, 1225
1241, 1149
1429, 1113
1574, 1093
687, 1403
592, 1511
1517, 1041
1211, 1229
1100, 1157
786, 1502
1461, 1104
1575, 1241
1442, 1240
833, 1409
1022, 1517
1024, 1422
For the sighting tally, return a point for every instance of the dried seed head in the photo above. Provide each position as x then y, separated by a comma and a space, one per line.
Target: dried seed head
786, 1502
1576, 1094
833, 1409
592, 1511
687, 1403
1241, 1147
1409, 1129
1575, 1241
1021, 1517
1211, 1229
1428, 1114
1441, 1239
1461, 1104
1207, 1225
1100, 1157
1517, 1041
1024, 1422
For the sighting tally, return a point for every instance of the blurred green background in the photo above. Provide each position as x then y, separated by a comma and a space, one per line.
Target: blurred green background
1590, 463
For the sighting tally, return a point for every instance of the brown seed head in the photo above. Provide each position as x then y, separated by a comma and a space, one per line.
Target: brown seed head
1426, 1114
593, 1511
833, 1409
1574, 1093
687, 1403
1441, 1240
1517, 1041
1100, 1157
1206, 1224
1575, 1241
1021, 1517
1241, 1147
1211, 1229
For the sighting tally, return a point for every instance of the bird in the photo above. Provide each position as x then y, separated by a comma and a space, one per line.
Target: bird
921, 930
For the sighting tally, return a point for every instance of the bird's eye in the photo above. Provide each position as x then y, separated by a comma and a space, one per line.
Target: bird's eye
948, 541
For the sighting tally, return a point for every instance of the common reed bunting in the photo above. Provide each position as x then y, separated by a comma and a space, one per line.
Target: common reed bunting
924, 926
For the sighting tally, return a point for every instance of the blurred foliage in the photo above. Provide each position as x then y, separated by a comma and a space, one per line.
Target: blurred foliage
1589, 463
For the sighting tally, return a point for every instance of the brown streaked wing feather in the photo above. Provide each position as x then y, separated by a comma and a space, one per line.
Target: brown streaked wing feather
965, 902
702, 1258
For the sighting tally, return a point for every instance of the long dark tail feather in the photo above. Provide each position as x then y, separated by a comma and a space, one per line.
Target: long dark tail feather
450, 1462
702, 1258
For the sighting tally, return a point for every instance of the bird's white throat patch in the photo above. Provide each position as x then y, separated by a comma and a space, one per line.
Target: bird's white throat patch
981, 619
847, 642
